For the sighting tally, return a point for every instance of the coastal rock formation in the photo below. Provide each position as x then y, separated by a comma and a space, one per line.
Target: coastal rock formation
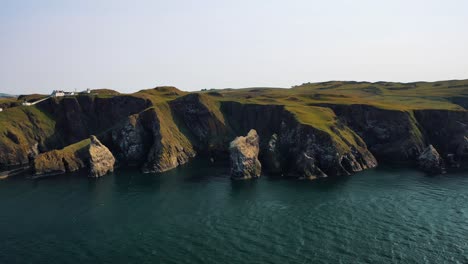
101, 160
306, 169
430, 161
390, 135
309, 131
170, 147
244, 156
88, 154
338, 152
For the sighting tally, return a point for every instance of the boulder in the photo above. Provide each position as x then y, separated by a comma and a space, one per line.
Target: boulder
430, 161
101, 160
244, 156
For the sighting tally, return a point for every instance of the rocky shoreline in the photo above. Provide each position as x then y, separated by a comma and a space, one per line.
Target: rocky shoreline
157, 137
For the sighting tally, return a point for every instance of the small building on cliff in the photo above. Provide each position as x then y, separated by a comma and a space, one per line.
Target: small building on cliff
58, 93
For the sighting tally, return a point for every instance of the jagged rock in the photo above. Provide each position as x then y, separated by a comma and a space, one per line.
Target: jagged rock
430, 161
306, 168
244, 156
132, 141
273, 156
101, 160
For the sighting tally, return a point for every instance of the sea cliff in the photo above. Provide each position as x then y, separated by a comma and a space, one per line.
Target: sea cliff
309, 131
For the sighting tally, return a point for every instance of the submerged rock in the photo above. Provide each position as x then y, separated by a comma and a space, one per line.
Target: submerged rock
101, 160
430, 161
244, 156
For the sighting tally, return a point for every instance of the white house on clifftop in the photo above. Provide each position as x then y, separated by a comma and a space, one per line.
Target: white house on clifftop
58, 93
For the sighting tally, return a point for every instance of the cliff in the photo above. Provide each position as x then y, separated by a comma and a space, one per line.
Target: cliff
309, 131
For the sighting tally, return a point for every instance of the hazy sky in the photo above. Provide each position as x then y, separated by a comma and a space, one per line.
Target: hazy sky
195, 44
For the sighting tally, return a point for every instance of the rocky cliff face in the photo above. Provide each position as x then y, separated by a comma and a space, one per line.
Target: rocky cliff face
302, 150
203, 120
170, 147
392, 136
447, 131
244, 156
78, 117
157, 135
132, 141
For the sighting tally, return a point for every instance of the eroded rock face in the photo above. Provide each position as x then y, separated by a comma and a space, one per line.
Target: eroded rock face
244, 156
430, 161
101, 160
273, 159
305, 168
392, 136
170, 147
132, 141
296, 149
203, 118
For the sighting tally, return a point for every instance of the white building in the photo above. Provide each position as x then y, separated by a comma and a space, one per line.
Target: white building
26, 103
58, 93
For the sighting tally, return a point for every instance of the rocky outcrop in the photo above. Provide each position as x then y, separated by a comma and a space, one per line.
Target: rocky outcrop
88, 154
336, 153
447, 131
101, 160
430, 161
244, 157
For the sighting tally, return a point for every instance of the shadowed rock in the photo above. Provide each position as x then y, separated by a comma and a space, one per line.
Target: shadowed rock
430, 161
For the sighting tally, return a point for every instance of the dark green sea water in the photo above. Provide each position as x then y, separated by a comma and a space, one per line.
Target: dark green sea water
195, 214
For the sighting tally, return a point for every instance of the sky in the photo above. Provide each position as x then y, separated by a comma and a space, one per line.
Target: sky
140, 44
